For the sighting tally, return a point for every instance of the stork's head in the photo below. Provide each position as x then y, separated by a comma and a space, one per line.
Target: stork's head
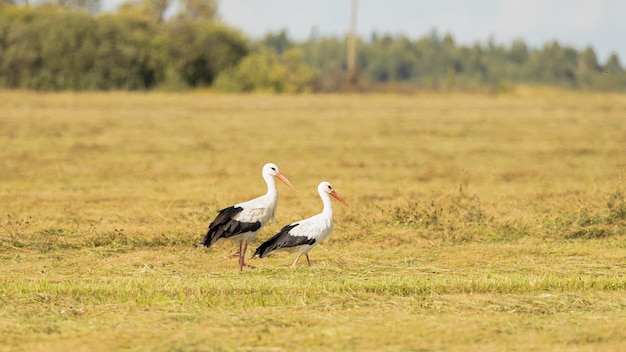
326, 187
270, 169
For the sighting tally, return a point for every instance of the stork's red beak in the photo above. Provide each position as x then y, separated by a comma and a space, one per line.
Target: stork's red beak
284, 179
334, 194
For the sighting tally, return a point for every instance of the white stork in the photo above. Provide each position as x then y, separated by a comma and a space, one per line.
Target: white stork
241, 222
305, 234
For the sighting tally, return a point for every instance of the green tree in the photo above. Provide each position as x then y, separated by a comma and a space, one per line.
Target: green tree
19, 50
127, 56
518, 52
327, 57
402, 60
200, 50
153, 10
265, 71
279, 42
198, 9
588, 61
66, 52
554, 64
300, 77
613, 65
92, 6
157, 9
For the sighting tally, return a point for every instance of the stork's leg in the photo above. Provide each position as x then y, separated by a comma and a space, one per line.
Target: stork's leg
241, 256
243, 253
307, 259
296, 261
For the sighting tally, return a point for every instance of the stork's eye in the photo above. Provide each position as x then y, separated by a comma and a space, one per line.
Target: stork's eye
274, 169
329, 187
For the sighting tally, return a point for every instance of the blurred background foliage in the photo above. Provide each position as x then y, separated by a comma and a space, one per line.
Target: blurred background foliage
71, 45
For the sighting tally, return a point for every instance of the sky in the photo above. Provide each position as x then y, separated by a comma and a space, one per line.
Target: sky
600, 24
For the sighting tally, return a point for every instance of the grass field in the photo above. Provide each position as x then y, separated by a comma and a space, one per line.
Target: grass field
476, 222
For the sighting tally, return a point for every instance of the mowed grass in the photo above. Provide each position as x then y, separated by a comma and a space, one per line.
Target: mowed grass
476, 222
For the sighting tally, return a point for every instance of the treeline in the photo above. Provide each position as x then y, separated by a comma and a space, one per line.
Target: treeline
438, 62
53, 47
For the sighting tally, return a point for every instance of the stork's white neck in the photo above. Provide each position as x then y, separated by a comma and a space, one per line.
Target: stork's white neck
328, 205
271, 197
271, 186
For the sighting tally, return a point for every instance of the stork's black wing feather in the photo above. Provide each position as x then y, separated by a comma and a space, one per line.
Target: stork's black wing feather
282, 240
225, 226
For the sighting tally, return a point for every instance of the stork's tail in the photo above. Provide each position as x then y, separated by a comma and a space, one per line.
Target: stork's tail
265, 248
207, 240
275, 242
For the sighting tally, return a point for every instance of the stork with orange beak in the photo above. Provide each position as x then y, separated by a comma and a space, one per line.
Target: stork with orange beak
304, 235
242, 222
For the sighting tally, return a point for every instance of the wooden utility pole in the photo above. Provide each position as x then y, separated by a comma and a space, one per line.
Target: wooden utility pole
352, 45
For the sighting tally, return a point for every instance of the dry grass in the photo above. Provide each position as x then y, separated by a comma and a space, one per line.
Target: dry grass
476, 222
